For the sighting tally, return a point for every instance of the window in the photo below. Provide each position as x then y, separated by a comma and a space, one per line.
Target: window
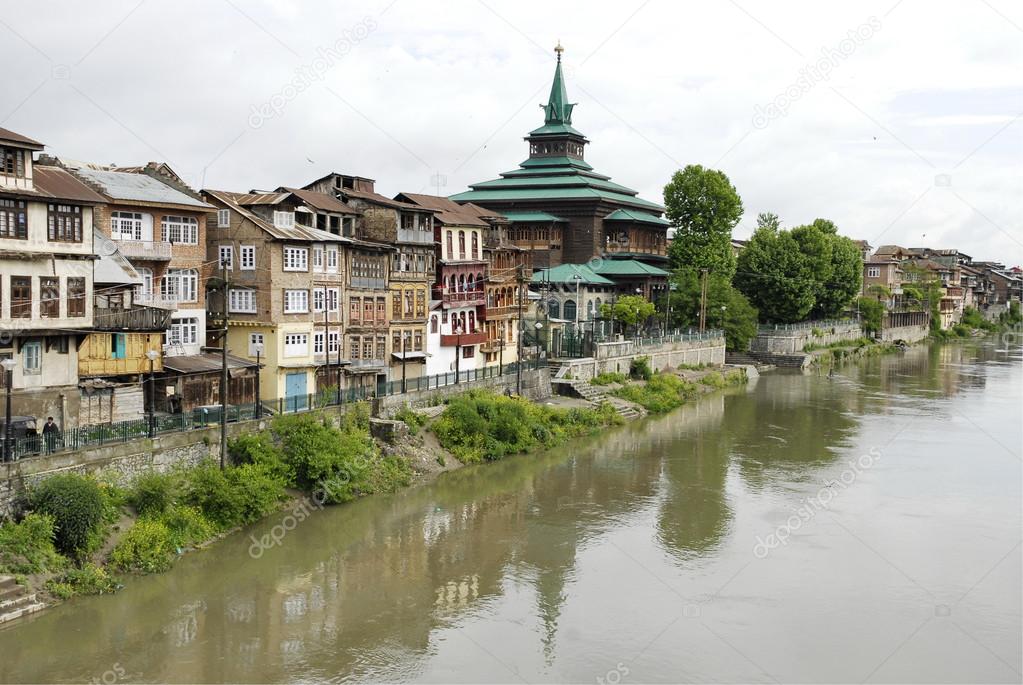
354, 352
284, 219
420, 303
226, 256
396, 304
381, 309
183, 331
381, 347
468, 352
223, 218
319, 299
461, 244
126, 225
255, 343
296, 301
332, 260
64, 223
12, 162
296, 259
146, 288
182, 230
13, 219
247, 257
296, 344
181, 285
21, 297
433, 323
318, 340
242, 301
333, 341
475, 245
118, 345
451, 250
553, 309
49, 297
873, 272
354, 310
318, 259
570, 309
333, 300
32, 356
417, 341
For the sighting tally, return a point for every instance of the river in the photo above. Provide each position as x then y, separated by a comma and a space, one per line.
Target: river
863, 527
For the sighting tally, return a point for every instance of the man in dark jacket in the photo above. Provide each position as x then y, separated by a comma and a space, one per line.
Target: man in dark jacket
51, 434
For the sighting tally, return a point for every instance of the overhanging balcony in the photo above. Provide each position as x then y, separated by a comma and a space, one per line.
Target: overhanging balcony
409, 235
157, 300
461, 298
154, 250
136, 319
463, 339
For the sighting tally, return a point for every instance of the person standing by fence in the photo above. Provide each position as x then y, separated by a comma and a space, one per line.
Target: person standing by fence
51, 434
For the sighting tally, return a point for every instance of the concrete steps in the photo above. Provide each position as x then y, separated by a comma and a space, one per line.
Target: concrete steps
16, 601
596, 395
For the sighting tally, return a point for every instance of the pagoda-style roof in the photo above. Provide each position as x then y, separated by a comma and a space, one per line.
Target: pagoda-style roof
570, 274
528, 216
638, 217
626, 267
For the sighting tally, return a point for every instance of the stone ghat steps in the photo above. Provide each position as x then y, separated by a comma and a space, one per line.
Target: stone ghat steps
788, 361
595, 395
16, 601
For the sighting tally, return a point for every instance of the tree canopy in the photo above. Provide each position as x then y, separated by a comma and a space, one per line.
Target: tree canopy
703, 207
628, 309
727, 308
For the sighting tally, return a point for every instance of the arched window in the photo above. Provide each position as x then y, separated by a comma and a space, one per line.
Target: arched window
434, 324
461, 283
553, 309
596, 308
570, 310
479, 279
589, 309
475, 245
470, 284
461, 244
472, 322
461, 322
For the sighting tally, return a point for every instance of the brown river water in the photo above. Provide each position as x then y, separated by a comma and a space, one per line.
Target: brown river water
864, 527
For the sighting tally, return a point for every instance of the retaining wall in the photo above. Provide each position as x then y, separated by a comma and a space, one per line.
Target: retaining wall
792, 341
617, 357
910, 334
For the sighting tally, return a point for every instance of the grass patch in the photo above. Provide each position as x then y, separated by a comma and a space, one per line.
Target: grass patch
609, 377
87, 580
411, 419
482, 426
27, 546
662, 393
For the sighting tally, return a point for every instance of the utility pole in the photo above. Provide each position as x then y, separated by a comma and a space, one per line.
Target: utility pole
223, 366
703, 299
518, 342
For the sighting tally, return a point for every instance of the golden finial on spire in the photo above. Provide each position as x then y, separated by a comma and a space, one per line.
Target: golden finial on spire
558, 49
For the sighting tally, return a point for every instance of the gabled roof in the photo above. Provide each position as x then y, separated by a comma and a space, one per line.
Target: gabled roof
52, 181
566, 273
526, 216
112, 267
321, 201
238, 202
626, 267
641, 217
132, 187
447, 212
377, 198
8, 136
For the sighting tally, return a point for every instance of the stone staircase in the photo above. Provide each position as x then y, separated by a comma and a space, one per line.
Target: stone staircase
16, 601
595, 395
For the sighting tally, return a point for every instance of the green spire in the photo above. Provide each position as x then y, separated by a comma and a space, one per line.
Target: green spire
558, 110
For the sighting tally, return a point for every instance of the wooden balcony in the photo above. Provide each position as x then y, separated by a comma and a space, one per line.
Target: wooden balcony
463, 339
461, 298
408, 235
138, 319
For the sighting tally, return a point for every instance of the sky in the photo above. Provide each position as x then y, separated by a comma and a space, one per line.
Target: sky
897, 120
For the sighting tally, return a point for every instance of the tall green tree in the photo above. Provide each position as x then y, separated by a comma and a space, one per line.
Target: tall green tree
703, 207
628, 310
836, 265
775, 274
727, 308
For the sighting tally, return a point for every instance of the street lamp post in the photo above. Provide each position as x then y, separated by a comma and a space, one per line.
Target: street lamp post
8, 365
152, 356
258, 347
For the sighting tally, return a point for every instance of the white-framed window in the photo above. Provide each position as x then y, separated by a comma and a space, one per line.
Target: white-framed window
296, 259
319, 297
332, 260
318, 342
181, 285
333, 340
247, 257
126, 225
32, 356
284, 219
242, 301
333, 300
146, 288
223, 218
226, 256
296, 344
254, 340
296, 301
183, 230
183, 331
873, 272
318, 258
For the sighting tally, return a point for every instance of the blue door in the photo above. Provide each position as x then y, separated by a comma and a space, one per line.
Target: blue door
296, 397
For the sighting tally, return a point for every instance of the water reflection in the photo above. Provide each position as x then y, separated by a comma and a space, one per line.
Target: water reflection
377, 589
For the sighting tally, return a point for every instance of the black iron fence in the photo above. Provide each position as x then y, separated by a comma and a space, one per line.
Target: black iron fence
203, 417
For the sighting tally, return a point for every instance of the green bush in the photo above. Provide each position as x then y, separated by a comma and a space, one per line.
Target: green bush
713, 379
187, 526
662, 393
609, 377
259, 449
640, 368
259, 490
152, 493
146, 548
207, 488
27, 547
77, 507
413, 420
87, 580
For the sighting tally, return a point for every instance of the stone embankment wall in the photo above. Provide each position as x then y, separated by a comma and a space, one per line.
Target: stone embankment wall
124, 461
792, 340
910, 334
616, 357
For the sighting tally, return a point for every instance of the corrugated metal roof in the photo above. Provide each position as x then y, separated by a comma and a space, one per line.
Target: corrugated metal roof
122, 185
112, 267
625, 267
641, 217
237, 202
24, 141
322, 201
57, 183
532, 217
566, 273
204, 362
447, 211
